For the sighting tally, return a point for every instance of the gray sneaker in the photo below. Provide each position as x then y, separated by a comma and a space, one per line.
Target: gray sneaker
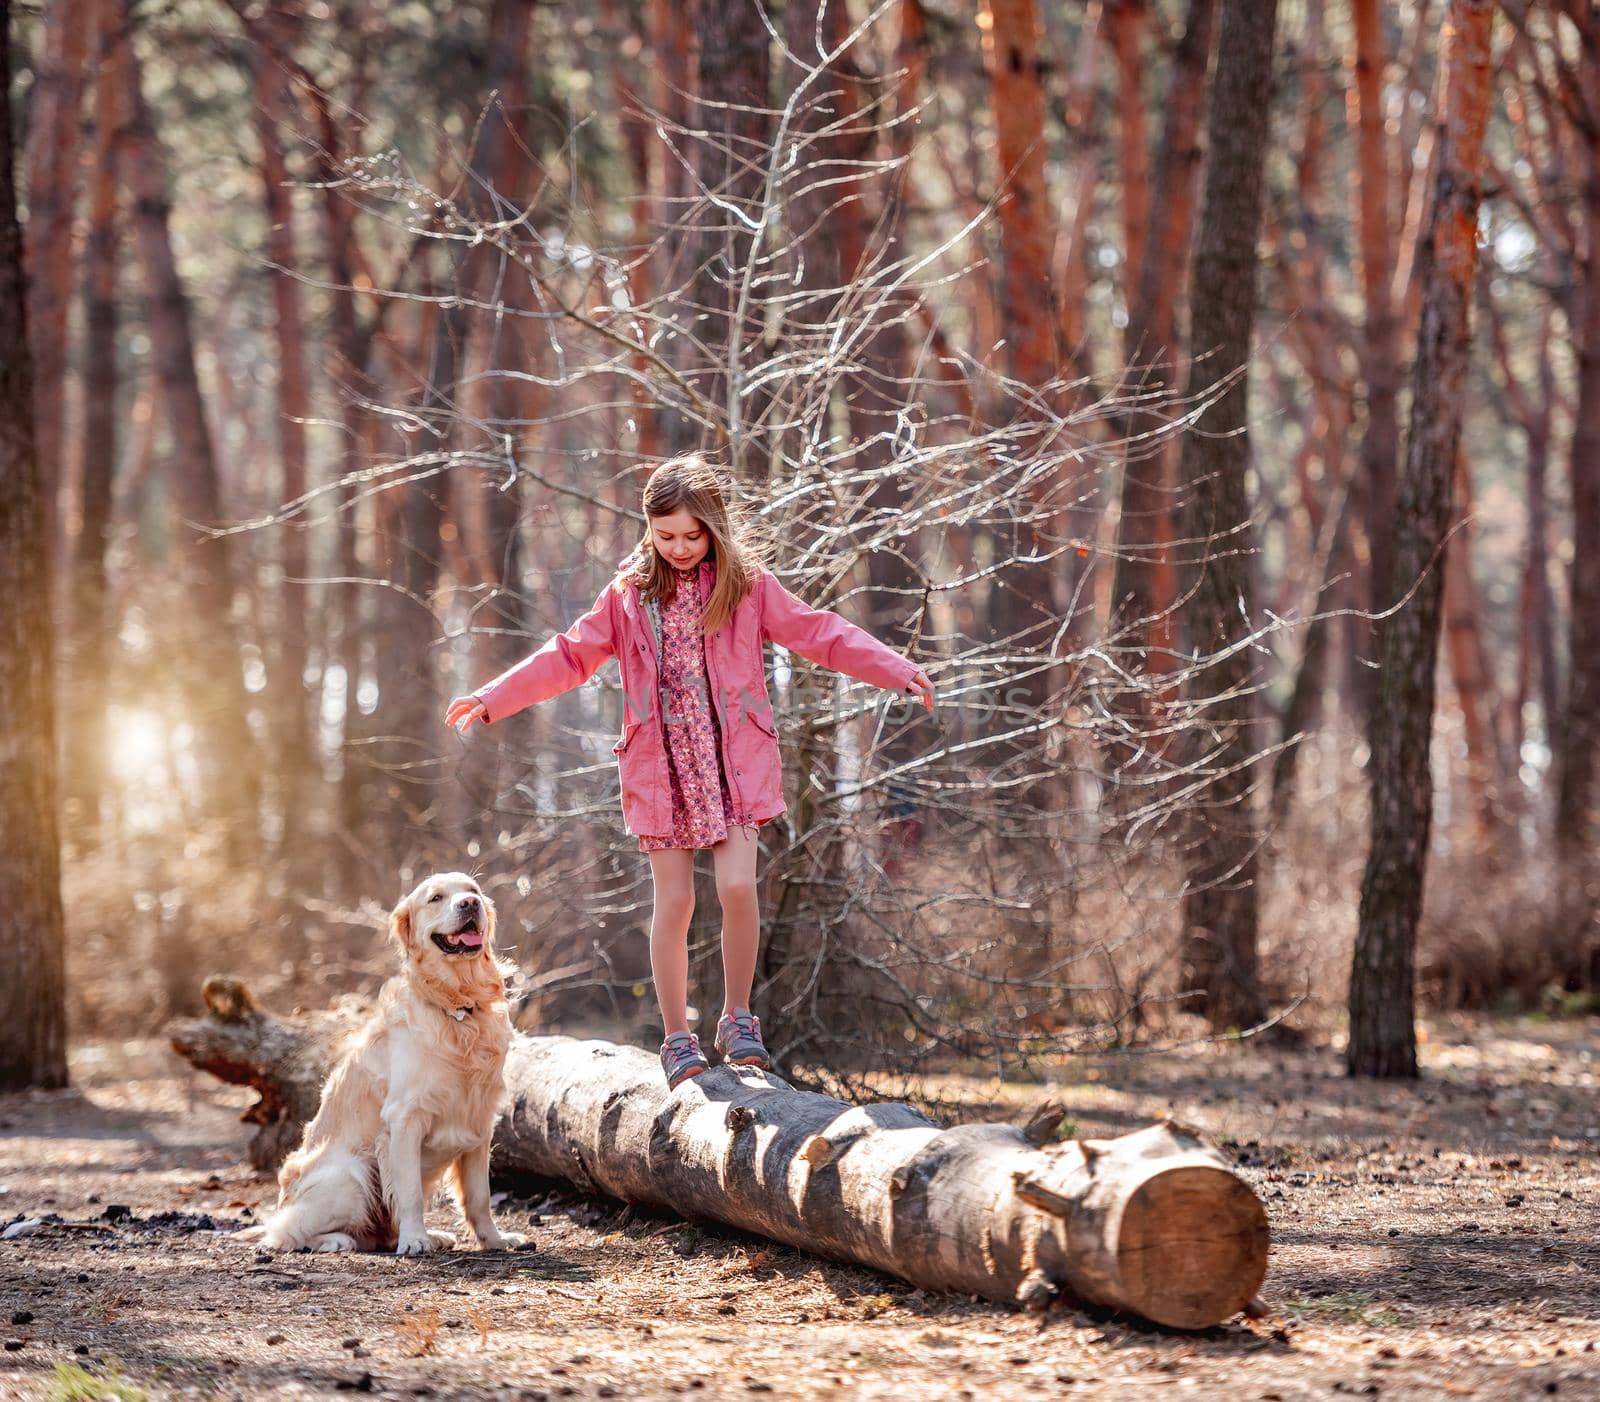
739, 1040
682, 1058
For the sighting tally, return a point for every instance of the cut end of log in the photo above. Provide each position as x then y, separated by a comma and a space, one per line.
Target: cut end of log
227, 998
1192, 1247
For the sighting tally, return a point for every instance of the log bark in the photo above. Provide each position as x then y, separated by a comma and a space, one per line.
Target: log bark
1154, 1223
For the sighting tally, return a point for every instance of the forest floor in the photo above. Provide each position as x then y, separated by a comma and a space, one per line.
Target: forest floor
1432, 1240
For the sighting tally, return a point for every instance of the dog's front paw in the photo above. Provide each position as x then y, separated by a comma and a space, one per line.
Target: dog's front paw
413, 1244
501, 1241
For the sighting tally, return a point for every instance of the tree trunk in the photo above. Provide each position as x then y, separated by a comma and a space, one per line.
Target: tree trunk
672, 80
842, 225
1319, 336
1027, 225
214, 686
1381, 343
1154, 1223
347, 361
1143, 589
624, 45
502, 164
1035, 578
33, 1020
1580, 721
54, 133
1072, 273
1220, 904
1532, 409
1126, 21
409, 663
292, 711
1470, 669
732, 141
1382, 1028
91, 630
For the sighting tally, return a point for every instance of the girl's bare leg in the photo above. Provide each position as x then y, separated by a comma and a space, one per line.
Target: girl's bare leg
735, 861
673, 871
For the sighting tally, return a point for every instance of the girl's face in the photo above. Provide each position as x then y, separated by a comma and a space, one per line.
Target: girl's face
680, 539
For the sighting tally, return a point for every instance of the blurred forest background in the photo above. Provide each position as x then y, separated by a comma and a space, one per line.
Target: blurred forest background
1070, 347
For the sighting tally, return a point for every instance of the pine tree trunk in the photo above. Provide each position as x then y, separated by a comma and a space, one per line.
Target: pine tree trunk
347, 362
1126, 22
1470, 669
91, 623
295, 762
214, 685
839, 222
1381, 339
503, 164
1012, 54
52, 166
33, 1021
1030, 590
1220, 907
731, 146
1143, 588
625, 60
1072, 271
1580, 721
1321, 334
672, 80
1537, 608
1382, 1024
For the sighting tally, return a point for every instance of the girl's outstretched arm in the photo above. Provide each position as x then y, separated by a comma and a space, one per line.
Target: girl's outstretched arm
569, 659
836, 643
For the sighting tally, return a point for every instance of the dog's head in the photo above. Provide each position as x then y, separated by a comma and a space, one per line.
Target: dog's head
445, 927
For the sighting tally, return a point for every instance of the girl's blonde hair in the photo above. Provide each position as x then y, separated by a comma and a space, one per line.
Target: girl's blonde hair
691, 484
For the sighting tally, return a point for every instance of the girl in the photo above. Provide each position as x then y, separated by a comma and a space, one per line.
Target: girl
698, 756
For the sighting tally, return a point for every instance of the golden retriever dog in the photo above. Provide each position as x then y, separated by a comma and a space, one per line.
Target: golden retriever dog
416, 1095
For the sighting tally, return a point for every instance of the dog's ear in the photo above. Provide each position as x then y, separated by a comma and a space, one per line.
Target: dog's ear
490, 919
400, 925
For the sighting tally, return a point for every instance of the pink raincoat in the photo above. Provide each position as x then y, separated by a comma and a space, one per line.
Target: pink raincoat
618, 626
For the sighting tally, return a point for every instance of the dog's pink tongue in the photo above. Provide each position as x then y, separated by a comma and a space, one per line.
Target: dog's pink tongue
471, 938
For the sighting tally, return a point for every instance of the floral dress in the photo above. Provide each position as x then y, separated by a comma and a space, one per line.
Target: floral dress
703, 809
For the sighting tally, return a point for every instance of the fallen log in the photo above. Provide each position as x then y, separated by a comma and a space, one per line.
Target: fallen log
1155, 1222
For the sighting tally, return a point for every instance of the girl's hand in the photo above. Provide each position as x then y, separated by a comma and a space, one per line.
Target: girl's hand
463, 711
922, 688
